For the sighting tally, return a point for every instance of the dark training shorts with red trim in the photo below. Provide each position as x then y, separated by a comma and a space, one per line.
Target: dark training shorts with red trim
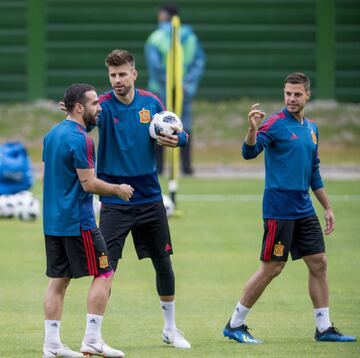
301, 237
77, 256
148, 225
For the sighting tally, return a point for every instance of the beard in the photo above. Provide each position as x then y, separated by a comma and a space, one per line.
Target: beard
89, 119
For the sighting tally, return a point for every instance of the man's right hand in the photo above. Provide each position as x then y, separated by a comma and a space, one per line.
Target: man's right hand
124, 191
255, 117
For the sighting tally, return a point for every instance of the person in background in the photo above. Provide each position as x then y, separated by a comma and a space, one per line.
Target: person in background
156, 50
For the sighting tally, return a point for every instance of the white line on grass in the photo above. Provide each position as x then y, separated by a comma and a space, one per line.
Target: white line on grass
249, 198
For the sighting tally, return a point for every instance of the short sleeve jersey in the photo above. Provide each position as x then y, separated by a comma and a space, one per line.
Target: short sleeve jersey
126, 152
67, 208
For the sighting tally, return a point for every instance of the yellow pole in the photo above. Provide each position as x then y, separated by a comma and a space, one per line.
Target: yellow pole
174, 97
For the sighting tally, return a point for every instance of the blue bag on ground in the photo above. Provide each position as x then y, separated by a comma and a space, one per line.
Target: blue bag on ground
16, 172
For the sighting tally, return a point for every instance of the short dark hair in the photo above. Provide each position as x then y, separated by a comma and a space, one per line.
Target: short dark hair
298, 78
119, 58
171, 8
76, 93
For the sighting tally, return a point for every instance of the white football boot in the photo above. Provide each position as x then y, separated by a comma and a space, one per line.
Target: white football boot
175, 337
59, 350
99, 348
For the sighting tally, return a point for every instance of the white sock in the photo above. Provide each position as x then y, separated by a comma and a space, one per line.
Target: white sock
168, 311
52, 332
93, 327
322, 318
239, 315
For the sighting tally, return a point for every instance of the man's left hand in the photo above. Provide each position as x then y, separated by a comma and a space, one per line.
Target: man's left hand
330, 221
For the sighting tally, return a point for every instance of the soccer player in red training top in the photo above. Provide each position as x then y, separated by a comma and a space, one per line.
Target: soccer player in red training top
292, 165
74, 245
126, 154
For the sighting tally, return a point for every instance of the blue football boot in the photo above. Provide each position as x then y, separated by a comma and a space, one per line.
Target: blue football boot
332, 334
240, 334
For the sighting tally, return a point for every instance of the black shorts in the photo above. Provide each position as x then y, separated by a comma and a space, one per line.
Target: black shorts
148, 225
77, 256
301, 237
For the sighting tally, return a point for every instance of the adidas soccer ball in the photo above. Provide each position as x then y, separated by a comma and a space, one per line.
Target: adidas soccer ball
22, 205
27, 206
169, 205
7, 206
164, 122
21, 201
31, 210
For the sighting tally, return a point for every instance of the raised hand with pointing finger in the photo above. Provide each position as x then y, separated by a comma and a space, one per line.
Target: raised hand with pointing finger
255, 117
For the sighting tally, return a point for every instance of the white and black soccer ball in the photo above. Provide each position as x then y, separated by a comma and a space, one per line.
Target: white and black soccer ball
164, 122
7, 206
2, 203
22, 205
29, 209
21, 201
169, 205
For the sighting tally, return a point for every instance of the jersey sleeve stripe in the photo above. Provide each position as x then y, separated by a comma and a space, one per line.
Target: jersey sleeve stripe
104, 97
89, 147
90, 151
270, 121
150, 94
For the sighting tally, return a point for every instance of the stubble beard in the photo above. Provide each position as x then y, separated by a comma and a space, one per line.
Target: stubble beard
297, 110
123, 92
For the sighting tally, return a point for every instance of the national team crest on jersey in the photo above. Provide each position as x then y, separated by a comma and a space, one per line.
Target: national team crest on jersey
313, 136
144, 116
103, 262
279, 249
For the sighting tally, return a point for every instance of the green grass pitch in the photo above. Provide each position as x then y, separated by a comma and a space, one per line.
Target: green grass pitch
216, 248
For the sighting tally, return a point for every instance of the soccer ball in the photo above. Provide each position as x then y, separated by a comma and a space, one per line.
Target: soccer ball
22, 205
7, 206
169, 205
27, 207
31, 210
163, 122
20, 201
